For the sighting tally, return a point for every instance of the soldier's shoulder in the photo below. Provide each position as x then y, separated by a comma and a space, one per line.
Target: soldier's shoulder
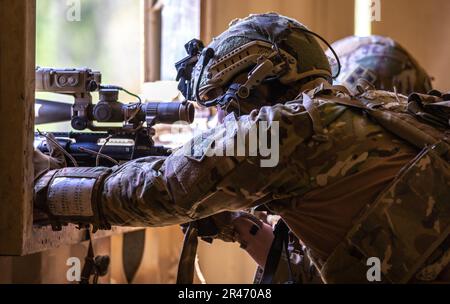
278, 111
372, 98
384, 97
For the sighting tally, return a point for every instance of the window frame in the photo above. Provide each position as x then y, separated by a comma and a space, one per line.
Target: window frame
152, 25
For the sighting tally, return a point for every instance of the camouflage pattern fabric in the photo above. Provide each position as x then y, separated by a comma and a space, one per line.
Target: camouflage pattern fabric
285, 32
402, 252
319, 187
155, 191
404, 226
381, 62
303, 270
415, 201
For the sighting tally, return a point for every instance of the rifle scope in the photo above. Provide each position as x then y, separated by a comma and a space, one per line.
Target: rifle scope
108, 109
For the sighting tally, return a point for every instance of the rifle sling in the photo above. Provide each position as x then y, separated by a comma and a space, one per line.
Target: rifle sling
279, 243
186, 264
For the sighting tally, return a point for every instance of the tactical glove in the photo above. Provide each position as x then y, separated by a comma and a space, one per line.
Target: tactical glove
53, 160
222, 226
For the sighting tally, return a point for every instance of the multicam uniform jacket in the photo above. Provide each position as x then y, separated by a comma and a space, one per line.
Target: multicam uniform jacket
334, 161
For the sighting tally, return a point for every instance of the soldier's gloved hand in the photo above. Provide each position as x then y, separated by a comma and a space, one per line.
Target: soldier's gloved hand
231, 224
53, 160
253, 234
256, 242
226, 226
44, 162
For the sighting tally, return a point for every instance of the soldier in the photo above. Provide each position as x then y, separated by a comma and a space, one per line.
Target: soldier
356, 178
377, 62
380, 62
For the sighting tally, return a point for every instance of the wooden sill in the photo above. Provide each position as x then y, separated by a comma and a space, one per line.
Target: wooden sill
44, 238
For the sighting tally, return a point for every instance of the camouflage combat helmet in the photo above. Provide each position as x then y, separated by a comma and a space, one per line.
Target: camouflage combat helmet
381, 62
264, 49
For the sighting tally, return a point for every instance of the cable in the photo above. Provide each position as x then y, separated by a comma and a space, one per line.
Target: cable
208, 55
396, 94
97, 159
58, 145
137, 106
132, 94
97, 153
198, 270
329, 46
114, 87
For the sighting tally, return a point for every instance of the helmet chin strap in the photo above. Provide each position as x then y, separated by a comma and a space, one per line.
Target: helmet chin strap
231, 102
225, 99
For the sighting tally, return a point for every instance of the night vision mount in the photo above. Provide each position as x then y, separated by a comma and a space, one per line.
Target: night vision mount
185, 67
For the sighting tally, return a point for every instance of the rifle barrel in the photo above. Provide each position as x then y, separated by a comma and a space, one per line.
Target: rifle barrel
47, 111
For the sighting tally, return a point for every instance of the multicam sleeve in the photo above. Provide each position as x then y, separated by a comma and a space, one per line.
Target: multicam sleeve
228, 168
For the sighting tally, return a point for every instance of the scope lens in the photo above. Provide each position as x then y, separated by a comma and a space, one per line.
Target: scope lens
170, 112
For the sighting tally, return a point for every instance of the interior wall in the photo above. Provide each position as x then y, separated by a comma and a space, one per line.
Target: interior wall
225, 263
330, 18
423, 27
219, 262
159, 262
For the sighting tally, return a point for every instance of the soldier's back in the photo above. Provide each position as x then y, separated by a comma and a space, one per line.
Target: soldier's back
356, 162
346, 168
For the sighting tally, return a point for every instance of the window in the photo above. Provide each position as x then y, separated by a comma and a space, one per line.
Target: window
105, 35
180, 23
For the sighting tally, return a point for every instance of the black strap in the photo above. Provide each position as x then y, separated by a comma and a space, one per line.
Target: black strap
93, 265
288, 258
186, 265
279, 243
88, 262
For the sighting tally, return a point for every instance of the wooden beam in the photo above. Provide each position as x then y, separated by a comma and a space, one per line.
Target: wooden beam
207, 17
17, 69
152, 40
